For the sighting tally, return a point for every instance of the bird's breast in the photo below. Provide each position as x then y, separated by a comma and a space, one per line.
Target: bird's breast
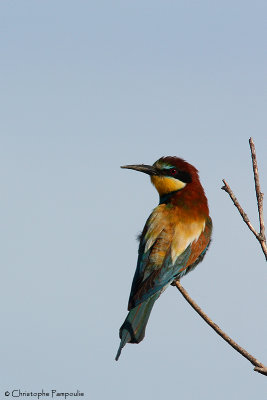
171, 230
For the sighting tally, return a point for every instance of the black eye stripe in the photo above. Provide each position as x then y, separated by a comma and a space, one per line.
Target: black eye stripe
175, 173
184, 176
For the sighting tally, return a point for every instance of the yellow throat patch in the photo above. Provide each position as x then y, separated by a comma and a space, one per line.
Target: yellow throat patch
166, 184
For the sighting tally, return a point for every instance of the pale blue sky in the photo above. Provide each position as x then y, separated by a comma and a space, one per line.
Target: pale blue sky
87, 87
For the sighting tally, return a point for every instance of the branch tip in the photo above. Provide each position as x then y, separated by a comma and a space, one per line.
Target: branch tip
260, 236
259, 367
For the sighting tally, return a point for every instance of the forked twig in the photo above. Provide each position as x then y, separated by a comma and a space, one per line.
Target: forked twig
259, 367
260, 236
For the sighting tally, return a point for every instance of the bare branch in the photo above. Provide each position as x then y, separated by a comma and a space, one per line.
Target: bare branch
227, 188
259, 367
259, 194
261, 235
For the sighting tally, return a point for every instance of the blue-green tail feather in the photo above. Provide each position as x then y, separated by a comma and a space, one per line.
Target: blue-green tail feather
134, 326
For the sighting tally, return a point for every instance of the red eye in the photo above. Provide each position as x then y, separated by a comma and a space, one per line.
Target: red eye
173, 171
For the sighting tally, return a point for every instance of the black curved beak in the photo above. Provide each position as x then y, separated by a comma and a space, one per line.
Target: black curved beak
147, 169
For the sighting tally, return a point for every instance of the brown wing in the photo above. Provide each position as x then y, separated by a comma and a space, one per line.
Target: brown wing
199, 247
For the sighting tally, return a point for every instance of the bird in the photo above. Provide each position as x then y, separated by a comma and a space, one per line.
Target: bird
175, 238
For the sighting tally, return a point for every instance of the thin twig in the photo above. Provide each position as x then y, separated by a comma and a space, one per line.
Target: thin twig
227, 188
259, 194
259, 367
261, 235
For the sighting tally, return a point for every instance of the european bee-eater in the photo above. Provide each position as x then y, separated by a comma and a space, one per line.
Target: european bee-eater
174, 240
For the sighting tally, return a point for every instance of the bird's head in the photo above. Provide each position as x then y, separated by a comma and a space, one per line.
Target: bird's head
168, 174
